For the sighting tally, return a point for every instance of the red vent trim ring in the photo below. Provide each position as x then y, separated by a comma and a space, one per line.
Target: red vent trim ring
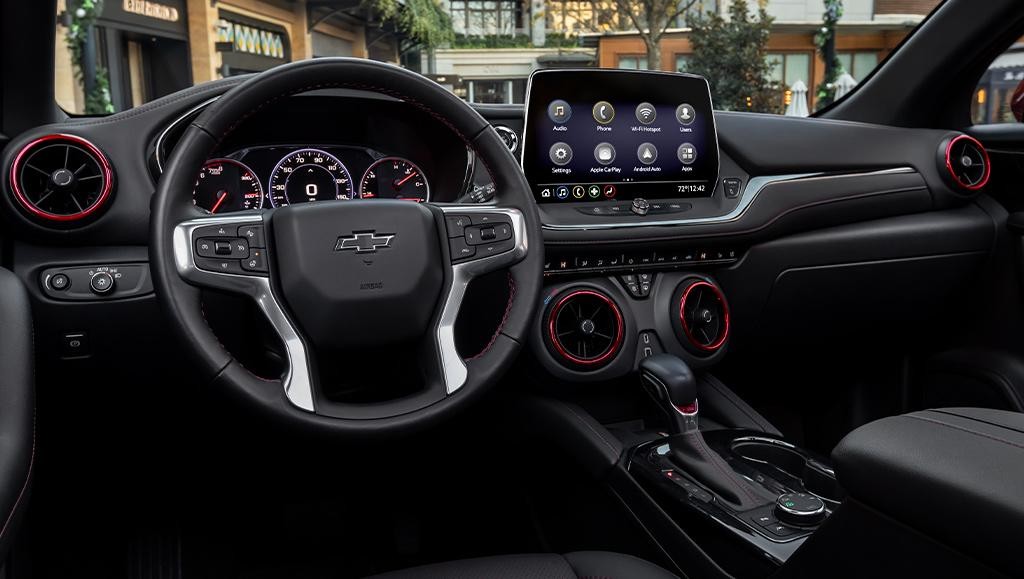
714, 346
553, 334
106, 170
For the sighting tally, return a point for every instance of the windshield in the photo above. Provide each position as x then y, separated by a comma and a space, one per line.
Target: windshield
775, 56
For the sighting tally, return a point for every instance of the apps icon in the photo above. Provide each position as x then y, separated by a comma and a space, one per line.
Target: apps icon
604, 112
647, 153
609, 191
562, 192
578, 192
560, 153
559, 111
685, 114
604, 153
687, 153
594, 191
646, 113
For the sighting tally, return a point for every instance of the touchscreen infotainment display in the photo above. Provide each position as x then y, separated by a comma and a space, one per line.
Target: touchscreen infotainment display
599, 135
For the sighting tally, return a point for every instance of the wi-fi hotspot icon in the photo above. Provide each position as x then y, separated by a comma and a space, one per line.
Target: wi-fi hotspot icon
645, 113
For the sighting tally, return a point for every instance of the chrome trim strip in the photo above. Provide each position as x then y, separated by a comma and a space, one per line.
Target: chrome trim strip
174, 123
753, 188
452, 364
297, 380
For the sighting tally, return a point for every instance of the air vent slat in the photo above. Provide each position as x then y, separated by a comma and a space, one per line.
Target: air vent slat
60, 178
585, 328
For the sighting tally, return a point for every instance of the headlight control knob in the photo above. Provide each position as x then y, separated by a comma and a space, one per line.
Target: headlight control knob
800, 509
101, 283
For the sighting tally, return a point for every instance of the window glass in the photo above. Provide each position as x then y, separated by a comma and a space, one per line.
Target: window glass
633, 62
111, 55
994, 93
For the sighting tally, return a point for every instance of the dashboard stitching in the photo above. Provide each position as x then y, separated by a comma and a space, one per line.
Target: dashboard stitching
218, 89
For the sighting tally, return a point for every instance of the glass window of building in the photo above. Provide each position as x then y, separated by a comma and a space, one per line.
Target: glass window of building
789, 67
858, 64
633, 62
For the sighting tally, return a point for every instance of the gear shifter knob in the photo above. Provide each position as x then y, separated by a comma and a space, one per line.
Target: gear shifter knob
673, 386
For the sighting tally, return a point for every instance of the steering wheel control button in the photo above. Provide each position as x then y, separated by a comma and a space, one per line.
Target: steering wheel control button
60, 282
253, 234
559, 111
687, 153
219, 265
800, 509
604, 112
560, 154
256, 262
647, 153
731, 187
640, 206
460, 249
230, 247
685, 114
101, 283
457, 224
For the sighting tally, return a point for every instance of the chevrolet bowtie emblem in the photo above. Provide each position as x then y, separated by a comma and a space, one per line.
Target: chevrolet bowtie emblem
363, 242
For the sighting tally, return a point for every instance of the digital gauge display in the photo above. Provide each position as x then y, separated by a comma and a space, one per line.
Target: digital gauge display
308, 175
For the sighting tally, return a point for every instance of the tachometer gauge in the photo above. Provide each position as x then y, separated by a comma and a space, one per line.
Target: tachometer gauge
227, 185
394, 178
309, 175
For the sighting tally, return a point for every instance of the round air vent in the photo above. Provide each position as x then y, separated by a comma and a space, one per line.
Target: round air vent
585, 328
61, 178
967, 162
703, 316
509, 136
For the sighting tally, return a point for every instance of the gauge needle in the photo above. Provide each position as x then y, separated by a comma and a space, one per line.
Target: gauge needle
220, 201
405, 179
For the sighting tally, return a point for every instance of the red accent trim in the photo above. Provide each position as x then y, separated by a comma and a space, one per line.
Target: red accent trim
984, 154
688, 409
686, 327
108, 178
553, 335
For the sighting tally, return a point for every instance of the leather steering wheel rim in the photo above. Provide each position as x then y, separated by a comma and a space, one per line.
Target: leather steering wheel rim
172, 205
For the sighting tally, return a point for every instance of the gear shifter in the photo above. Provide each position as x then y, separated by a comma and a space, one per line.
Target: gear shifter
673, 386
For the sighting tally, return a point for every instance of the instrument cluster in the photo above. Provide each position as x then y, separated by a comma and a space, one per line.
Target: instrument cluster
274, 176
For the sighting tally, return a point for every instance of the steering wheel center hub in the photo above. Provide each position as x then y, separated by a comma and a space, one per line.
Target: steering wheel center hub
359, 273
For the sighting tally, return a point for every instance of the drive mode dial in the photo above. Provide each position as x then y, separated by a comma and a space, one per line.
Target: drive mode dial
800, 509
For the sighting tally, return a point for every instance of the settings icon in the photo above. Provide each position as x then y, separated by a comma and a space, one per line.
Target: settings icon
560, 153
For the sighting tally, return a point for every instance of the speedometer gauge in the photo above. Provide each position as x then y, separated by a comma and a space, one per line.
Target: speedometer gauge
309, 175
227, 185
394, 178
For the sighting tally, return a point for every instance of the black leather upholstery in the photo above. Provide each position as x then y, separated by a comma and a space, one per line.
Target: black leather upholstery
17, 405
583, 564
956, 474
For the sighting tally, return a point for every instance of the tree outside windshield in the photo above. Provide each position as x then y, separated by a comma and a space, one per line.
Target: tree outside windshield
773, 56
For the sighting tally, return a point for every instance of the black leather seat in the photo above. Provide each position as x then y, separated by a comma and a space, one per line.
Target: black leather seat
579, 565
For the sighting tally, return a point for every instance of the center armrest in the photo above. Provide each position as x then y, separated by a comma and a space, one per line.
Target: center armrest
956, 474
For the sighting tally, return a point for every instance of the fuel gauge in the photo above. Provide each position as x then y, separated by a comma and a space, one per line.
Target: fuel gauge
394, 178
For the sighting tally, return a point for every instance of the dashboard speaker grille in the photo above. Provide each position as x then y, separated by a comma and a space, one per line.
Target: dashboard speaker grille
704, 316
967, 162
585, 328
61, 178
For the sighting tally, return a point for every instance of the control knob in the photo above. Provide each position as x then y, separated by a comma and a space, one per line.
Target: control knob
800, 509
101, 283
640, 206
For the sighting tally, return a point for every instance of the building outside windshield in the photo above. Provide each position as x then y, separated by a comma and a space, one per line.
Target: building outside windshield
776, 56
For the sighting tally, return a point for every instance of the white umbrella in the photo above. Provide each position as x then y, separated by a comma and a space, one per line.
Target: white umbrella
798, 100
844, 84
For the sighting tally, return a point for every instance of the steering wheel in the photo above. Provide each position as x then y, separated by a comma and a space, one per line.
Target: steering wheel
340, 274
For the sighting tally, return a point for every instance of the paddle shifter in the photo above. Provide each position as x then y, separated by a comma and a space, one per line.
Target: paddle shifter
673, 386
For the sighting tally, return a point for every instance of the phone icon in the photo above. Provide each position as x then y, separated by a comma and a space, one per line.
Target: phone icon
604, 112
